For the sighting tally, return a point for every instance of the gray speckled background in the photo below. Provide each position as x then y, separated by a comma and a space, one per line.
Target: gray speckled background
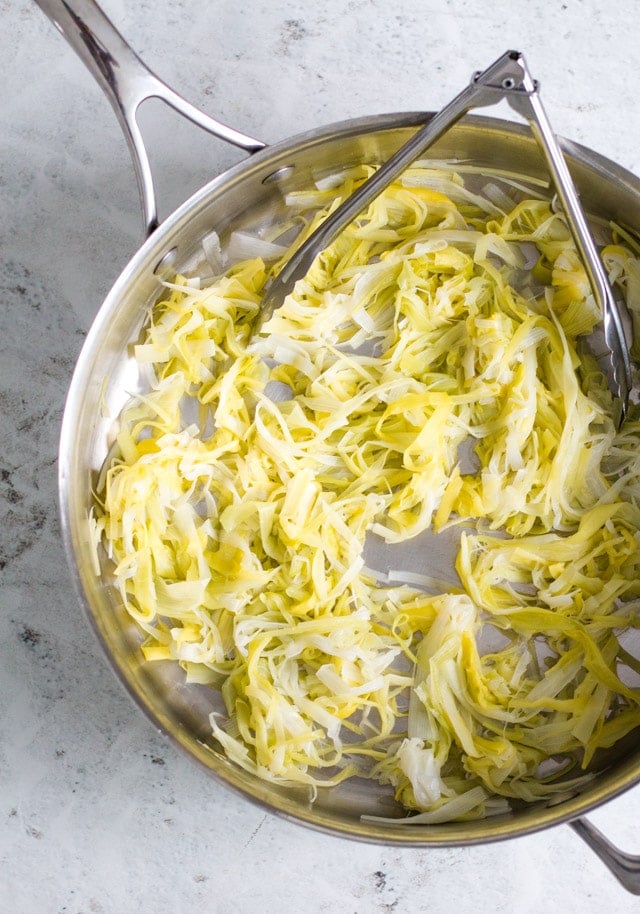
97, 812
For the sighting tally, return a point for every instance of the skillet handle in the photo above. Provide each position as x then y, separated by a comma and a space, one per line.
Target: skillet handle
625, 867
127, 82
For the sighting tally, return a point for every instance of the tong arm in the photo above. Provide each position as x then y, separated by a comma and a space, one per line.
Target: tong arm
508, 78
480, 92
515, 83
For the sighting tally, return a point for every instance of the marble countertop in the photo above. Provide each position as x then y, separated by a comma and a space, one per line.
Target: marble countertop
99, 813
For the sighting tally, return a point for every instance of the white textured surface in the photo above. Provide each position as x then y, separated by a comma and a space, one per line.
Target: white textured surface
97, 812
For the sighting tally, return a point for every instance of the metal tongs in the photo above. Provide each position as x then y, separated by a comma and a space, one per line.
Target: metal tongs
507, 78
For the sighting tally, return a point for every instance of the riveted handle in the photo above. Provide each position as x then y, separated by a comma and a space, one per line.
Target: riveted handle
127, 82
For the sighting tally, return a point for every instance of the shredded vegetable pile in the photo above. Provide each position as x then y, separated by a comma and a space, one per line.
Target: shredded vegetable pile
426, 376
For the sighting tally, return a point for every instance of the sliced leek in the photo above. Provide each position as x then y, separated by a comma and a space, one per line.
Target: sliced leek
235, 520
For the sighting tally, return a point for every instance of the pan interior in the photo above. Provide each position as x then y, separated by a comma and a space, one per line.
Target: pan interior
251, 198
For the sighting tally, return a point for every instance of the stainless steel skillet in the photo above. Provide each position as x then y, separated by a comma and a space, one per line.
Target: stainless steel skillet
247, 196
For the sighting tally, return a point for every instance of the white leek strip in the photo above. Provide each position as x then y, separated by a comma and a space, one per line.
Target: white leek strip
213, 252
243, 246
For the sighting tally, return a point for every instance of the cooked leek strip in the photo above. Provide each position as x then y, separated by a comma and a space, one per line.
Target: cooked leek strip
426, 373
